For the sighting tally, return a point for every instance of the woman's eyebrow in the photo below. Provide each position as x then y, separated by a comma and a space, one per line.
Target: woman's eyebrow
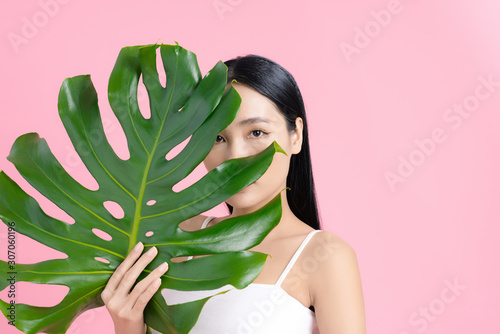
253, 120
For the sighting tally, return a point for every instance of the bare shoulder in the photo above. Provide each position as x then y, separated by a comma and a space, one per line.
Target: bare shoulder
193, 223
331, 243
336, 261
335, 287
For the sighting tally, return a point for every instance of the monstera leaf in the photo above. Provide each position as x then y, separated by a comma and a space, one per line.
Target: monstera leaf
189, 106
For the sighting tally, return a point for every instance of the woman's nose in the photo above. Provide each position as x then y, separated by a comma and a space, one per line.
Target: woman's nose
237, 149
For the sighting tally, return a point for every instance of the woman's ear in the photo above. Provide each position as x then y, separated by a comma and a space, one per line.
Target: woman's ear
297, 136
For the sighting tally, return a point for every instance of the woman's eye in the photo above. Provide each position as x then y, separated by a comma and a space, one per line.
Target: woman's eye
258, 133
254, 134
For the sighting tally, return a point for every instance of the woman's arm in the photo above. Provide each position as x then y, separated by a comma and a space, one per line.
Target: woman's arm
335, 287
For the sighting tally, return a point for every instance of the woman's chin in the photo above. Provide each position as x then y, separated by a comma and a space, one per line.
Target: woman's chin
247, 188
244, 191
243, 199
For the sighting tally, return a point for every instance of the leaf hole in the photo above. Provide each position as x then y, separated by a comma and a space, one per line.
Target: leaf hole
192, 178
54, 211
100, 259
143, 99
41, 295
115, 136
151, 202
177, 149
162, 76
74, 166
101, 234
149, 234
114, 209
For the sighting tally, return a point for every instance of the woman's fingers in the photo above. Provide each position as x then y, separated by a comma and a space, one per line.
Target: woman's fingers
145, 289
120, 271
130, 277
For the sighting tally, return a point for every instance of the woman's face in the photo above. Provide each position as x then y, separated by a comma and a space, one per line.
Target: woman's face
257, 124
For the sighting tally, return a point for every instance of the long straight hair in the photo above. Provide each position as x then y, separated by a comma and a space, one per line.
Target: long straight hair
278, 85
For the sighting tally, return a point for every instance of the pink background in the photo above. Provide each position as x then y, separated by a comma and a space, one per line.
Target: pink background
368, 109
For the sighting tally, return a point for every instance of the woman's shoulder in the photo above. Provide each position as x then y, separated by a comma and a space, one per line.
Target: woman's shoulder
193, 223
329, 249
335, 258
334, 282
329, 241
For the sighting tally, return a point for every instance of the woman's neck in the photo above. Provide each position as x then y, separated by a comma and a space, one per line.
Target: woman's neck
287, 221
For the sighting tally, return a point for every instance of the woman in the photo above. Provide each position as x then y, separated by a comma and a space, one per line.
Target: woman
321, 288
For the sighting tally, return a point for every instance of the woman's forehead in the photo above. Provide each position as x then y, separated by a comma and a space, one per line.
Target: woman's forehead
255, 106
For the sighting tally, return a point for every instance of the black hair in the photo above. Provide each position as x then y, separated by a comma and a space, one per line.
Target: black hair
277, 84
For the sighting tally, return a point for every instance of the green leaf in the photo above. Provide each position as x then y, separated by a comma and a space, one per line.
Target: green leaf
189, 106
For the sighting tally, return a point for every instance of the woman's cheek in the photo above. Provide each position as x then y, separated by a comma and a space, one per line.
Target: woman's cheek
210, 161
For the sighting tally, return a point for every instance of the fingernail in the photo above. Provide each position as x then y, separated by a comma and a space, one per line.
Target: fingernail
137, 247
163, 267
157, 283
151, 251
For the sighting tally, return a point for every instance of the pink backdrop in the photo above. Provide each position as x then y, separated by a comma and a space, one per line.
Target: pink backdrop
403, 103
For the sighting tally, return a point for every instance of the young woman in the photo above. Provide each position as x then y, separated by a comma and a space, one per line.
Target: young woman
311, 281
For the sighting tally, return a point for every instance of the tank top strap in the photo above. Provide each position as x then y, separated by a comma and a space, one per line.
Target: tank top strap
205, 223
295, 257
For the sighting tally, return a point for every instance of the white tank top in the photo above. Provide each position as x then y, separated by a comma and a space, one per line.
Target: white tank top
256, 309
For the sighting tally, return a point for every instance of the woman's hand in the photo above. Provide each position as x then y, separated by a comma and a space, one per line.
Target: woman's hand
127, 307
